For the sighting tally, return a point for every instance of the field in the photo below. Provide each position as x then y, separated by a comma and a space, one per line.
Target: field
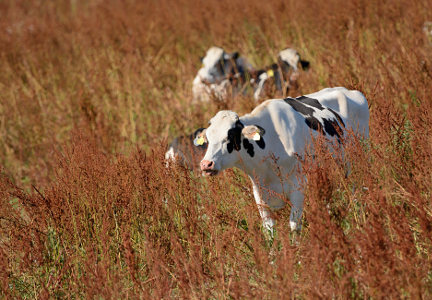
91, 92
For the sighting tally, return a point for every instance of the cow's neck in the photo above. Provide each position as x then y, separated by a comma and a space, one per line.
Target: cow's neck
269, 162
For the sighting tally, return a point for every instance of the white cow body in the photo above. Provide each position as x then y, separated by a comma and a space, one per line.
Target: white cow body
266, 143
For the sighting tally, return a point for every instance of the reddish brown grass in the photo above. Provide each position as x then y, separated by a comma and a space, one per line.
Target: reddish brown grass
89, 95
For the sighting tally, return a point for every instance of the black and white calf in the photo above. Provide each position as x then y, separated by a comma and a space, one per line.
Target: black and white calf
280, 128
183, 151
278, 78
220, 74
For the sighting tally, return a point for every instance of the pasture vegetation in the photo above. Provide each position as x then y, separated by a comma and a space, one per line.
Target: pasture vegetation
91, 92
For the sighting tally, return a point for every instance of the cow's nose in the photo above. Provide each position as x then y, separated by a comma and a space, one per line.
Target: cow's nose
207, 165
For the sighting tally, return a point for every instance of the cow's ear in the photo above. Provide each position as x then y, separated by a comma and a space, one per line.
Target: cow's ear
304, 64
200, 137
198, 131
235, 55
253, 132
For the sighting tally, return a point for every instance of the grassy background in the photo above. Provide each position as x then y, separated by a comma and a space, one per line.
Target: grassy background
90, 93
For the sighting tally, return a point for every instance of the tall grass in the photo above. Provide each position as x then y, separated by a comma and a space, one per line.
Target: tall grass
91, 92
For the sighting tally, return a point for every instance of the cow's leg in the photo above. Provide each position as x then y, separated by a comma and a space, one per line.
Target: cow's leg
296, 198
267, 220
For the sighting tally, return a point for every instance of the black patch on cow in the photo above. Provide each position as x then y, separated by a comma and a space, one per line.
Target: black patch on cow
304, 106
230, 147
274, 67
314, 124
234, 137
238, 75
235, 72
304, 64
256, 76
198, 131
337, 117
259, 72
332, 128
299, 106
249, 147
286, 67
220, 66
311, 102
276, 76
261, 143
235, 55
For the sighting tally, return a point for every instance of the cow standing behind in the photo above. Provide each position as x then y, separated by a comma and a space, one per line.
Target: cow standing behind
183, 151
280, 128
221, 74
228, 74
279, 78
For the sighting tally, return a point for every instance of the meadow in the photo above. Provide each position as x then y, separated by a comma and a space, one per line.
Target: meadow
91, 92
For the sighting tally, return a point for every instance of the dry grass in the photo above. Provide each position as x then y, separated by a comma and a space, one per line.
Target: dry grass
91, 92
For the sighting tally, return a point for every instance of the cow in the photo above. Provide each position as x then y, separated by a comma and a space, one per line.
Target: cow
268, 143
280, 77
220, 74
182, 151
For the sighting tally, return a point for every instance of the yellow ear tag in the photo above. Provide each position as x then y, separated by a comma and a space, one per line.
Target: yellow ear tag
270, 73
199, 141
256, 136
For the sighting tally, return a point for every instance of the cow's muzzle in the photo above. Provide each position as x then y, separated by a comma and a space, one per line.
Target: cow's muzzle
207, 168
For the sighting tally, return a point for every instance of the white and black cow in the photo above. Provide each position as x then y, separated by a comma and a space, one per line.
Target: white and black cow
279, 77
267, 142
220, 74
182, 151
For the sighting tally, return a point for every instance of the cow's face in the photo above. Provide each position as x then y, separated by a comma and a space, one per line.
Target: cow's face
228, 141
217, 65
290, 59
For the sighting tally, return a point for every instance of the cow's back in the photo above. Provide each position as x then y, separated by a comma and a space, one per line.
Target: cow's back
286, 126
351, 105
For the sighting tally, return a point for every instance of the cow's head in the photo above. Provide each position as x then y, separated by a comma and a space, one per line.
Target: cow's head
289, 59
260, 80
229, 140
217, 65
